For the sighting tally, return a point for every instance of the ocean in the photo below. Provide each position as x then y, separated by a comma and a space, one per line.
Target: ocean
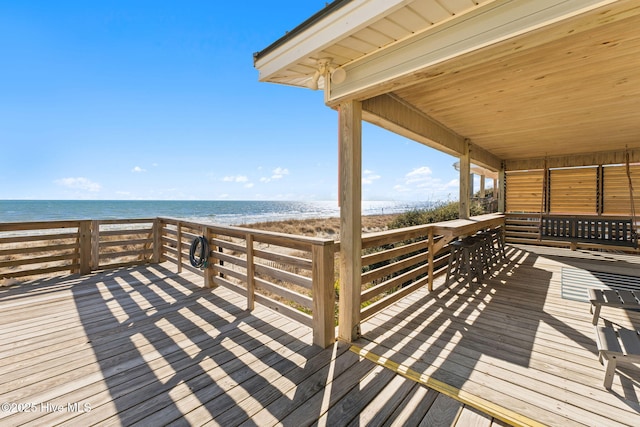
211, 211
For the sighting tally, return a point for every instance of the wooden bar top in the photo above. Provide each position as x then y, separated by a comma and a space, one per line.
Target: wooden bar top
459, 227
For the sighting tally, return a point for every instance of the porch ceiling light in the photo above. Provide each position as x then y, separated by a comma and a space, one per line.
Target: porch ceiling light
326, 68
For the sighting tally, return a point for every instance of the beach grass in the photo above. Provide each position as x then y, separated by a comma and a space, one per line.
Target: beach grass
323, 227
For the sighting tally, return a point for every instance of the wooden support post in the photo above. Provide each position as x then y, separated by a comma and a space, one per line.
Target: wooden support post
324, 296
502, 185
84, 242
471, 187
179, 245
350, 170
251, 273
482, 185
157, 241
208, 271
95, 245
495, 188
430, 256
465, 181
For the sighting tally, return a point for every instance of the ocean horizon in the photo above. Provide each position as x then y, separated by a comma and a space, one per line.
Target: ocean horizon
225, 212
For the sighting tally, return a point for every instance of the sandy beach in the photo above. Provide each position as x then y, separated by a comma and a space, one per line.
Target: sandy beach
323, 227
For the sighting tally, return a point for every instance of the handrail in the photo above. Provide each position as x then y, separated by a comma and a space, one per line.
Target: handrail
264, 267
398, 262
292, 274
279, 270
74, 246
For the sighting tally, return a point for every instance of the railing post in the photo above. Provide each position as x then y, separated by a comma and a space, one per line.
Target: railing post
157, 241
84, 251
251, 283
208, 271
179, 245
95, 244
324, 331
430, 256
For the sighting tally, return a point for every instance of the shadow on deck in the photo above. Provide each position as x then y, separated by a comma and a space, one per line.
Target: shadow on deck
513, 345
146, 346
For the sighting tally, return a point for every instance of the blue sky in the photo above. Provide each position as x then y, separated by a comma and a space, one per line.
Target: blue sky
160, 100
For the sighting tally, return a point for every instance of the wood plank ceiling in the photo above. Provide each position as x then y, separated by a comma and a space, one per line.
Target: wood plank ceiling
578, 94
568, 88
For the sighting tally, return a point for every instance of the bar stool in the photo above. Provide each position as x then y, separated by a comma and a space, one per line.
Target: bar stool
465, 260
497, 239
487, 250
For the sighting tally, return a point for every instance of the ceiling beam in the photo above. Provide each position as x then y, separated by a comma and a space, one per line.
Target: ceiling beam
576, 160
391, 113
407, 62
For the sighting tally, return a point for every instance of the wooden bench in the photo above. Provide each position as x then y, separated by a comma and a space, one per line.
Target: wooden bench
616, 231
616, 345
629, 300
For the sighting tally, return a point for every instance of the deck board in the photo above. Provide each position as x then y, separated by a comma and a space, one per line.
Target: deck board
148, 346
514, 340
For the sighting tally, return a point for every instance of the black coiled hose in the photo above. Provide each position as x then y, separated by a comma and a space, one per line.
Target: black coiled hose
199, 252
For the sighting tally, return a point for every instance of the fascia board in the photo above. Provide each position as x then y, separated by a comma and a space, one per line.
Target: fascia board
343, 22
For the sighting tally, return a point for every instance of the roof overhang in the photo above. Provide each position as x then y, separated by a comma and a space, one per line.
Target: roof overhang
520, 79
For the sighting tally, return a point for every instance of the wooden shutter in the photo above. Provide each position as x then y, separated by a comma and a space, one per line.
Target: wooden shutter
524, 191
574, 190
615, 189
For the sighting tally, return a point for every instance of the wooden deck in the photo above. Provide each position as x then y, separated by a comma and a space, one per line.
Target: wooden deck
514, 343
146, 346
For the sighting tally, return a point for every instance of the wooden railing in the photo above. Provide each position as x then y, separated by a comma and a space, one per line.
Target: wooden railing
398, 262
293, 275
30, 249
395, 264
116, 243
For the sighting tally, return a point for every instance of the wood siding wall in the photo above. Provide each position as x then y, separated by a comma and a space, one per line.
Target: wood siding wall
615, 191
573, 190
524, 191
595, 190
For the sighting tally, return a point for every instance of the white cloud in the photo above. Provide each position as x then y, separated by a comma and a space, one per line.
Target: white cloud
419, 175
401, 188
454, 183
368, 177
277, 173
79, 183
138, 169
249, 185
237, 178
420, 181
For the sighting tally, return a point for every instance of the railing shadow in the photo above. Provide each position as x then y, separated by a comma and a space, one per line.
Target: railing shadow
449, 332
166, 347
